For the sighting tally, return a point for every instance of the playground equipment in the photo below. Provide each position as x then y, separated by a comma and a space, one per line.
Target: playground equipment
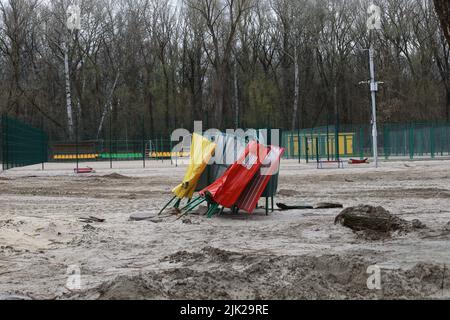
242, 184
83, 170
322, 164
264, 183
118, 150
356, 161
201, 152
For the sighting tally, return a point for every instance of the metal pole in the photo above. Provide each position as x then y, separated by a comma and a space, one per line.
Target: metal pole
317, 149
299, 146
44, 143
76, 140
307, 149
162, 149
143, 142
110, 140
328, 137
3, 139
336, 125
5, 143
373, 90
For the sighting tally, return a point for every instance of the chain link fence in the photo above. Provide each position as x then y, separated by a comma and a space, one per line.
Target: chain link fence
21, 144
411, 140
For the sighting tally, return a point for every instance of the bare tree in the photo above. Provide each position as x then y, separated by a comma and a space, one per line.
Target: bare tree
443, 12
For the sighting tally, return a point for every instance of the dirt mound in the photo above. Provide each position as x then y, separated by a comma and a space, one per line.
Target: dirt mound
375, 221
217, 274
116, 176
328, 205
138, 287
13, 298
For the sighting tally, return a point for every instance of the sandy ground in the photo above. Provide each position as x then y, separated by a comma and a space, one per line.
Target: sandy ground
286, 255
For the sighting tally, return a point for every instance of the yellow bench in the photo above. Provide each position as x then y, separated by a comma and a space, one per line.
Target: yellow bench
89, 156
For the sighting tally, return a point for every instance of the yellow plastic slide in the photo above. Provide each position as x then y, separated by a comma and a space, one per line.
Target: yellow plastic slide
201, 152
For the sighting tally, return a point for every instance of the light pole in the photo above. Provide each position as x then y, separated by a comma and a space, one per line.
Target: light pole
373, 24
373, 93
73, 24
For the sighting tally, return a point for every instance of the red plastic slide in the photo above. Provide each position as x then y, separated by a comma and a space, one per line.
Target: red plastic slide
228, 188
248, 201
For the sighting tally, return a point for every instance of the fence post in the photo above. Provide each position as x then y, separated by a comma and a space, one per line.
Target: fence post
299, 147
307, 149
43, 142
361, 142
162, 149
170, 151
328, 140
411, 142
432, 142
77, 142
110, 141
317, 149
143, 143
337, 129
386, 142
5, 143
291, 145
3, 137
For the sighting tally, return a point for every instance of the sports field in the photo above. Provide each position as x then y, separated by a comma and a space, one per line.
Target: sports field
286, 255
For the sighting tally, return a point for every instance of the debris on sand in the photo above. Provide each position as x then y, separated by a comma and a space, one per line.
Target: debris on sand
4, 179
173, 211
116, 176
91, 219
187, 221
141, 216
284, 207
324, 205
375, 221
89, 228
327, 205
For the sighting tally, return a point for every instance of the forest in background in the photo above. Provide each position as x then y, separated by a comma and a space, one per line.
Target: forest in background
247, 63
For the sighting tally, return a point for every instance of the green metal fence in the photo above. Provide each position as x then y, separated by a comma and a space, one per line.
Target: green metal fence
411, 140
21, 144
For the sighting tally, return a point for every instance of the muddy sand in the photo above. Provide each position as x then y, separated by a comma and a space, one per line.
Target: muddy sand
299, 254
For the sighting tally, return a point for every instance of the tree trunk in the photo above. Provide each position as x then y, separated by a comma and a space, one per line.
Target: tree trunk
108, 105
218, 94
443, 11
166, 97
447, 104
68, 93
236, 97
150, 111
296, 88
